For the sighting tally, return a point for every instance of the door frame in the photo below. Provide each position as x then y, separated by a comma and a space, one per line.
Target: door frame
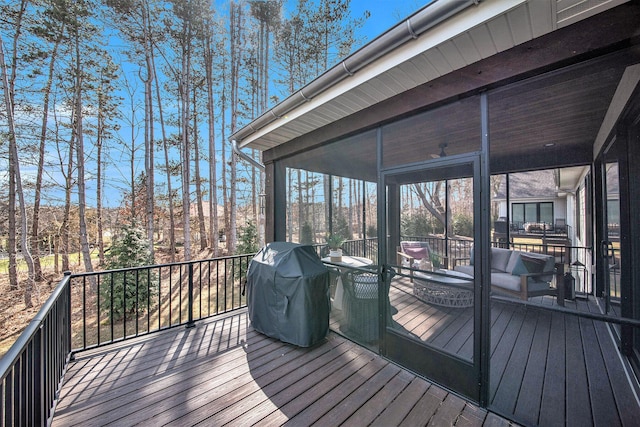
468, 378
626, 137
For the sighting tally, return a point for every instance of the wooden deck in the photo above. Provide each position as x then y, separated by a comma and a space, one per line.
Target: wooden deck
224, 373
547, 369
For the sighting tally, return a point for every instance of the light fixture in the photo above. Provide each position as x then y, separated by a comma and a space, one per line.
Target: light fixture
550, 144
442, 146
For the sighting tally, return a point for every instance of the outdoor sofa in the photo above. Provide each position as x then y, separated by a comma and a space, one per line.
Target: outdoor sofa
519, 274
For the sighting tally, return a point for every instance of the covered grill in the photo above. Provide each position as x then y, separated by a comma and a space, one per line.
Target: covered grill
288, 294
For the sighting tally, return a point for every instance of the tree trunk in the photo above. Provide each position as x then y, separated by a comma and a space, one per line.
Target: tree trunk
172, 221
66, 218
196, 159
225, 186
132, 165
99, 190
434, 206
14, 176
84, 242
186, 143
35, 222
149, 134
8, 85
235, 41
213, 188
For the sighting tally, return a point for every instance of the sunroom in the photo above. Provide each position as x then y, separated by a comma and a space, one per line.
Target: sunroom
409, 149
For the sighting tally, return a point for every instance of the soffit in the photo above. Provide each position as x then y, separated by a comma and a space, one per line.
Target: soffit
457, 43
546, 121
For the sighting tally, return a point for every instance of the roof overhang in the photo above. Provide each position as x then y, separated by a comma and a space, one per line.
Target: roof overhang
445, 36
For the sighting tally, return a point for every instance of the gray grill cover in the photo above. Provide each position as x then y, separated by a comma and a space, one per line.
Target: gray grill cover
288, 294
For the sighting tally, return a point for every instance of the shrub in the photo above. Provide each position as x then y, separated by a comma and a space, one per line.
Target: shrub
417, 224
125, 294
341, 227
306, 234
372, 231
248, 241
463, 225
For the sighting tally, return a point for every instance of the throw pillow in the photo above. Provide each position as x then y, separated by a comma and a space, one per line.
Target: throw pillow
519, 267
534, 265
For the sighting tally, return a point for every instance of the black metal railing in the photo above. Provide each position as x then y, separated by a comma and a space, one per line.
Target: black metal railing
93, 309
120, 304
367, 248
450, 248
34, 366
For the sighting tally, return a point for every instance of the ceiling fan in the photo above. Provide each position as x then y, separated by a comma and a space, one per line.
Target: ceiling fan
442, 146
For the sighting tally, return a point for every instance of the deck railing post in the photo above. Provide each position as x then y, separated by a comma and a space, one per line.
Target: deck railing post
190, 322
39, 382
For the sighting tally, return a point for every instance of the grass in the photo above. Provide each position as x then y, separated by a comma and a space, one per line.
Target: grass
46, 262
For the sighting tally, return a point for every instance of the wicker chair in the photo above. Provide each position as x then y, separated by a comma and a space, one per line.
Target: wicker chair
360, 305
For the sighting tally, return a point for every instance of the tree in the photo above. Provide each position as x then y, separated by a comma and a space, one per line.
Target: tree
198, 179
135, 22
8, 86
106, 107
248, 240
235, 30
208, 44
125, 295
15, 188
79, 12
53, 30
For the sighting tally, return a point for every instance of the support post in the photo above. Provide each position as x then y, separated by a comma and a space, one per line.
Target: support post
190, 322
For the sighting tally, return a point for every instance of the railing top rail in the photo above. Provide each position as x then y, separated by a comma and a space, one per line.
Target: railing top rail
9, 359
156, 266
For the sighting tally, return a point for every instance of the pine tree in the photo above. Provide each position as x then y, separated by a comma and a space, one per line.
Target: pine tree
126, 293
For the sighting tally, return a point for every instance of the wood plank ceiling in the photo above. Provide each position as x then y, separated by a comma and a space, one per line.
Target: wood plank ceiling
547, 121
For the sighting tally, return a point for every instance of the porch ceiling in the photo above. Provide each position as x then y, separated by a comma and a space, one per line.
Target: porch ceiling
547, 121
477, 33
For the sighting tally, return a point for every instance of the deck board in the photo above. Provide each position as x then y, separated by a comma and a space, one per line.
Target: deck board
544, 366
552, 405
425, 407
528, 401
338, 412
511, 381
224, 372
405, 402
601, 393
578, 406
546, 369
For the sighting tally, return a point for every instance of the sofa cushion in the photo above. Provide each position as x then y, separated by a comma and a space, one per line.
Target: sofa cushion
533, 264
464, 269
418, 250
500, 258
517, 267
512, 283
506, 281
513, 260
457, 273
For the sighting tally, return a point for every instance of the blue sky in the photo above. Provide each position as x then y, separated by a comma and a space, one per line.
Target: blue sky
384, 13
